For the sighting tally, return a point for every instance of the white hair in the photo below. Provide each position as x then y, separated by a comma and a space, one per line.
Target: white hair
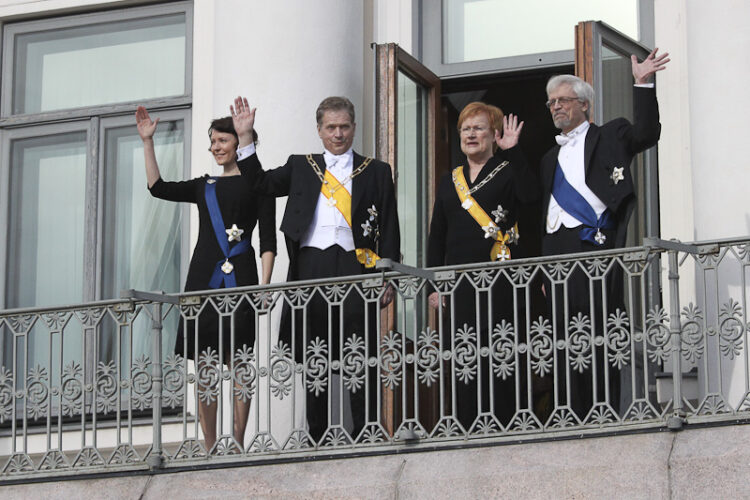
583, 90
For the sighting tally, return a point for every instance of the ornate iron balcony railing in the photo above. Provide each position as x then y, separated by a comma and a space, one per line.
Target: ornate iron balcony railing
525, 349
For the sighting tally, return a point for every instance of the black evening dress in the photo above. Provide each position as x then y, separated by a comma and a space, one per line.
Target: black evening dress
240, 206
456, 238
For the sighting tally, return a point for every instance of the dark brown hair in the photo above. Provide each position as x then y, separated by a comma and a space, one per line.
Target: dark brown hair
226, 125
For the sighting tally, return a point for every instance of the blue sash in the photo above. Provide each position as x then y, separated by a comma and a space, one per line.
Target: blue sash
576, 205
219, 277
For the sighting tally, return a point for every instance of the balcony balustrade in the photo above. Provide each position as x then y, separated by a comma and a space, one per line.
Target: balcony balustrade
652, 337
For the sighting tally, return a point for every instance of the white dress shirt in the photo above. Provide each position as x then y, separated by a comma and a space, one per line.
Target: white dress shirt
571, 161
572, 164
328, 226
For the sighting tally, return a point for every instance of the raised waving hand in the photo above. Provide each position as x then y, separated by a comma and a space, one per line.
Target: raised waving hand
643, 71
511, 132
243, 118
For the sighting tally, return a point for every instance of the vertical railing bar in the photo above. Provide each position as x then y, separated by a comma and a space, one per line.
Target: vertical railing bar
441, 347
220, 378
452, 333
48, 425
743, 280
155, 460
605, 344
365, 334
118, 370
516, 335
704, 332
329, 392
267, 349
84, 390
131, 386
718, 330
14, 406
416, 330
305, 339
342, 338
675, 422
478, 349
60, 396
644, 328
404, 396
230, 366
26, 393
95, 387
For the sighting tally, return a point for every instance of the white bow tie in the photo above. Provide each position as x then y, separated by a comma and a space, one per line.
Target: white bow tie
569, 138
332, 159
563, 139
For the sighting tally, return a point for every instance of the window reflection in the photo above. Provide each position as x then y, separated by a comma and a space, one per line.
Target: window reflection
99, 64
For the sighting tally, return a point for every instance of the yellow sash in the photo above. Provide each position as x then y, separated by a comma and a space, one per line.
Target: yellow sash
500, 250
342, 200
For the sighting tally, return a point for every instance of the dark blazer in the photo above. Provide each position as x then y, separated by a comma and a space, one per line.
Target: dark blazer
297, 180
614, 144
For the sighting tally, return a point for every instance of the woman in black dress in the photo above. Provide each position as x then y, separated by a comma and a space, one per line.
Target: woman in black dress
222, 258
474, 220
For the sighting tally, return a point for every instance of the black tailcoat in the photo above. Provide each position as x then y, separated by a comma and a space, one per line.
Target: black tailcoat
614, 144
297, 180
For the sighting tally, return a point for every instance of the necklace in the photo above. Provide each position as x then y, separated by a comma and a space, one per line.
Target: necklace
489, 177
349, 177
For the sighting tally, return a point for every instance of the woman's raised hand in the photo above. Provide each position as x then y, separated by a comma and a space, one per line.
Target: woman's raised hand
511, 132
146, 126
243, 118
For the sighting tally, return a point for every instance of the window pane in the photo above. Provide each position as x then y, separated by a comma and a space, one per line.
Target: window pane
141, 234
99, 64
411, 188
46, 237
486, 29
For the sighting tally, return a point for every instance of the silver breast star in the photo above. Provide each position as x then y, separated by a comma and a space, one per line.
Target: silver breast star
367, 228
234, 233
617, 174
513, 236
489, 231
373, 212
500, 214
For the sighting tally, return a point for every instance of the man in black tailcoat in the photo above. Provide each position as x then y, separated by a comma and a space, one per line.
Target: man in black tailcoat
587, 200
340, 218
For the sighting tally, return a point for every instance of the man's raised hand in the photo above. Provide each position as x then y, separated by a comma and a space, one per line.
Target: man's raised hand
643, 71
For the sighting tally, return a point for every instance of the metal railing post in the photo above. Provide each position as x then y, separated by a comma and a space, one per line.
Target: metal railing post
156, 459
676, 421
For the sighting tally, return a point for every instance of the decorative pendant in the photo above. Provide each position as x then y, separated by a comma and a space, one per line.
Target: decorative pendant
467, 204
234, 233
500, 214
503, 254
599, 237
331, 202
367, 228
617, 175
489, 231
211, 181
227, 267
513, 236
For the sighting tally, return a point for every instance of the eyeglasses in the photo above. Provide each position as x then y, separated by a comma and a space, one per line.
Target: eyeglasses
475, 129
562, 100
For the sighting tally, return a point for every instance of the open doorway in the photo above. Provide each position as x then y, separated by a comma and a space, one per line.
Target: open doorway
523, 94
